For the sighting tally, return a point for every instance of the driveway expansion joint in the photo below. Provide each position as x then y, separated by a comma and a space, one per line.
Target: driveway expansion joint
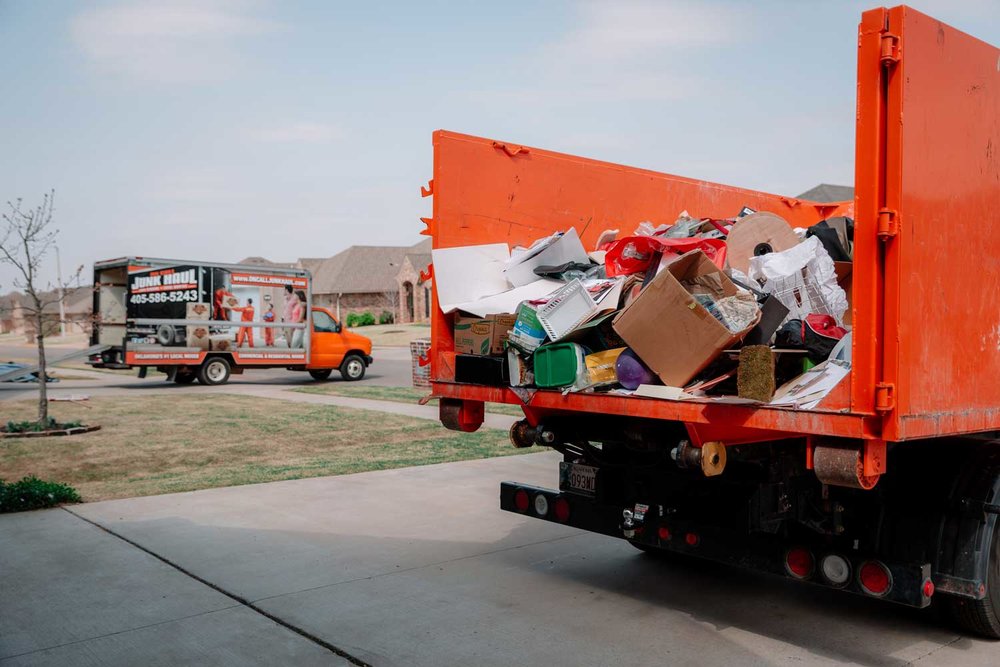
240, 600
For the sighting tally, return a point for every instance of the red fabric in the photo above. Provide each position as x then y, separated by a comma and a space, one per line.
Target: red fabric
633, 254
824, 325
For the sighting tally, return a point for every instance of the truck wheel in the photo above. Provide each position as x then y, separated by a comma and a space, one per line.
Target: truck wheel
185, 377
353, 368
981, 617
165, 335
321, 375
214, 371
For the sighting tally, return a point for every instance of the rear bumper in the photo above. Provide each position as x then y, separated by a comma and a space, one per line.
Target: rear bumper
369, 360
761, 554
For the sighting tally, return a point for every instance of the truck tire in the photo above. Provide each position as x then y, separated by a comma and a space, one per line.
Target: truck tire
185, 377
353, 368
321, 374
214, 371
165, 335
981, 617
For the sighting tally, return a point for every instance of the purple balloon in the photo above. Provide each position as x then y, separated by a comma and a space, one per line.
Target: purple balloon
632, 372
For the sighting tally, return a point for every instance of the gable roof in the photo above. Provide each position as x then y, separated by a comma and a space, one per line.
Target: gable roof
825, 192
262, 261
363, 269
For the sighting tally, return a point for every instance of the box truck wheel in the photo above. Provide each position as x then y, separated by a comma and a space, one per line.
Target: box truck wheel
214, 371
353, 367
321, 375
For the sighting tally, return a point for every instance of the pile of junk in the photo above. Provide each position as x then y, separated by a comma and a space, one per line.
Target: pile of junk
738, 310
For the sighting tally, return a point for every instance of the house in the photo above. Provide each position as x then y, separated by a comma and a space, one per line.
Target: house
373, 279
825, 192
17, 312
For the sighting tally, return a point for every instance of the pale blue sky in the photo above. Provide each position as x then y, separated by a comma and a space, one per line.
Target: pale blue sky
218, 129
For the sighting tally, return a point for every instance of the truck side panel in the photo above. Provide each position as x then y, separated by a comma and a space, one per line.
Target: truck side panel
487, 191
942, 267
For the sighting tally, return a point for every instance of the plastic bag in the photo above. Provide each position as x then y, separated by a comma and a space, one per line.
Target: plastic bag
803, 279
633, 254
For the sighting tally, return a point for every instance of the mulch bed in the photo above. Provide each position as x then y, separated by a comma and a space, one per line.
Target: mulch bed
76, 430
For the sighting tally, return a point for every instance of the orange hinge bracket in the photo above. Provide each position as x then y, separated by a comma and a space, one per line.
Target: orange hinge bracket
511, 149
873, 458
885, 397
890, 49
428, 274
888, 224
429, 190
429, 229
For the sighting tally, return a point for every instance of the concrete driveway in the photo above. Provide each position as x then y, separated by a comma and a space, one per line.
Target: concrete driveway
414, 566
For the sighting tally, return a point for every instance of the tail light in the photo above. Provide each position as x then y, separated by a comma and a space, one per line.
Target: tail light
561, 509
521, 500
875, 578
928, 589
663, 533
836, 570
799, 563
541, 505
692, 539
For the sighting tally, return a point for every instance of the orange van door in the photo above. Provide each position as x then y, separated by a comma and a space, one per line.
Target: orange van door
328, 345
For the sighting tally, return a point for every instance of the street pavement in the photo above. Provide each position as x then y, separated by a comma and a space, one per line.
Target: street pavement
392, 368
414, 566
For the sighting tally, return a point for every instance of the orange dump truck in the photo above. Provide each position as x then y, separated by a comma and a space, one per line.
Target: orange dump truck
205, 321
890, 488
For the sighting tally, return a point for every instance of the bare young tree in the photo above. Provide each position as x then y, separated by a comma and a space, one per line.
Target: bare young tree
26, 240
388, 301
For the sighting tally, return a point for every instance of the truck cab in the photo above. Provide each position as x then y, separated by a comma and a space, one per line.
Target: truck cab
335, 347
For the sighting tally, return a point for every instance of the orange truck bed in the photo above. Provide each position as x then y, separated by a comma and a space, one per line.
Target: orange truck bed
925, 309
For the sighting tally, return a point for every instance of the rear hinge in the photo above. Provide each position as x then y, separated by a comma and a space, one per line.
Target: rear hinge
890, 49
888, 224
885, 397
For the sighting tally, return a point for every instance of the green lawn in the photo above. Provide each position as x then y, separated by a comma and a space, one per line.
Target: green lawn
162, 444
396, 395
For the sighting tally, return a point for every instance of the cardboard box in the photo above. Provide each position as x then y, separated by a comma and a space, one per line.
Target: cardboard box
482, 335
197, 336
199, 311
669, 330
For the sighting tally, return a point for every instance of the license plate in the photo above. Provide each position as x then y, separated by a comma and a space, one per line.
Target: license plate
577, 478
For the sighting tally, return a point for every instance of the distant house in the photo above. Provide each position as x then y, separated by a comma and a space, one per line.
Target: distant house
825, 192
374, 279
17, 312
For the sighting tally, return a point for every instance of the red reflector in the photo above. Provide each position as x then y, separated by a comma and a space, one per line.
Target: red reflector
928, 588
562, 510
691, 539
799, 563
875, 578
664, 533
521, 500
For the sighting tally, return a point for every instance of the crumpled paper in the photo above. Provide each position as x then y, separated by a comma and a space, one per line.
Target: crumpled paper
803, 279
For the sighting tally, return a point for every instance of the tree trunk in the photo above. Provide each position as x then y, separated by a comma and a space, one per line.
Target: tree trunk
43, 398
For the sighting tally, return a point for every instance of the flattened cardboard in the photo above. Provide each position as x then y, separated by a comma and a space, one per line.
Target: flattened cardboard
567, 248
468, 273
482, 335
669, 330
